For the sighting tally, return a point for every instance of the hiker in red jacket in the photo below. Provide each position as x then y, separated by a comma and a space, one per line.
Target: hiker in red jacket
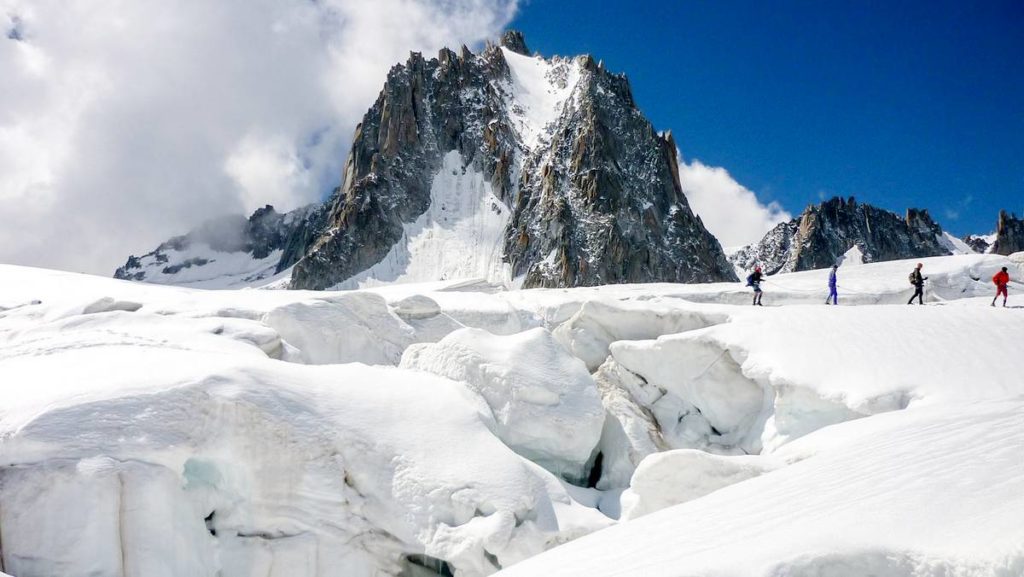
1001, 279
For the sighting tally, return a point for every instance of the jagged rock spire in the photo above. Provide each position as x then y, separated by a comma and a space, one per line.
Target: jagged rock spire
515, 41
1009, 234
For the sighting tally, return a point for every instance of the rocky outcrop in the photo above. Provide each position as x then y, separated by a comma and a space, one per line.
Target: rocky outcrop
1009, 234
978, 243
593, 189
826, 232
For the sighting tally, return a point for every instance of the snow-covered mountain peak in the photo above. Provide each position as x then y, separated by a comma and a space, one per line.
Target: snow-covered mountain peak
566, 183
589, 185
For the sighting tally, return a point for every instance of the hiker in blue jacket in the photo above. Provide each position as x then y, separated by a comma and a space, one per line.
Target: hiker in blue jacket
832, 294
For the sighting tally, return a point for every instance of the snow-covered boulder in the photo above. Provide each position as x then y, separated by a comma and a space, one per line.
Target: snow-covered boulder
673, 477
416, 307
597, 324
545, 404
348, 327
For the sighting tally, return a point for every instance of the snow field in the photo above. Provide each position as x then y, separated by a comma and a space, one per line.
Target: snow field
199, 266
185, 432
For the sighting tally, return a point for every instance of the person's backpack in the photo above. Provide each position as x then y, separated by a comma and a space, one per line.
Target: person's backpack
750, 279
913, 279
995, 279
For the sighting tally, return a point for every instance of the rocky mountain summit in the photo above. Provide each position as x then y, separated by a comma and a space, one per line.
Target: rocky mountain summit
522, 170
840, 228
583, 190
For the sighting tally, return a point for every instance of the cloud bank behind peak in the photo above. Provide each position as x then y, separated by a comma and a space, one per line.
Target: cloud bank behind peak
124, 122
731, 211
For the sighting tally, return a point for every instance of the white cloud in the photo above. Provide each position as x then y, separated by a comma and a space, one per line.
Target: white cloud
123, 122
728, 209
267, 171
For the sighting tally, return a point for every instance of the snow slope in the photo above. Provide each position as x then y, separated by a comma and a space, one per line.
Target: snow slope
459, 237
954, 244
539, 90
168, 431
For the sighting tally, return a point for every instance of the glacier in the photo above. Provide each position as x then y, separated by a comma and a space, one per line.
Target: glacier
461, 428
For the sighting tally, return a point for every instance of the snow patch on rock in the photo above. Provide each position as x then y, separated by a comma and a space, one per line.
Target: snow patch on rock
539, 90
460, 236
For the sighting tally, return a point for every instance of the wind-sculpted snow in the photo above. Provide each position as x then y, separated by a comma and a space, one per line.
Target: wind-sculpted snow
765, 379
545, 405
675, 477
195, 454
350, 327
153, 430
928, 492
597, 324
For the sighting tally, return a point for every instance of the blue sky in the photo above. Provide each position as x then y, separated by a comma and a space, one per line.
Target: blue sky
897, 103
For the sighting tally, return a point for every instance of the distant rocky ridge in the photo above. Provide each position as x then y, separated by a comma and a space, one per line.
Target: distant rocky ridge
582, 188
979, 243
229, 250
826, 232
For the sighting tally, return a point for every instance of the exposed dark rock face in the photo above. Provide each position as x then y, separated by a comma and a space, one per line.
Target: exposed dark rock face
825, 232
1009, 234
595, 194
978, 244
514, 41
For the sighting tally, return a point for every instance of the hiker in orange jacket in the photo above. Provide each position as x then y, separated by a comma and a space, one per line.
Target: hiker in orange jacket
1001, 279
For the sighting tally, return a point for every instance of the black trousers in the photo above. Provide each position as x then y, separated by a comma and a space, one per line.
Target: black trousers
918, 294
